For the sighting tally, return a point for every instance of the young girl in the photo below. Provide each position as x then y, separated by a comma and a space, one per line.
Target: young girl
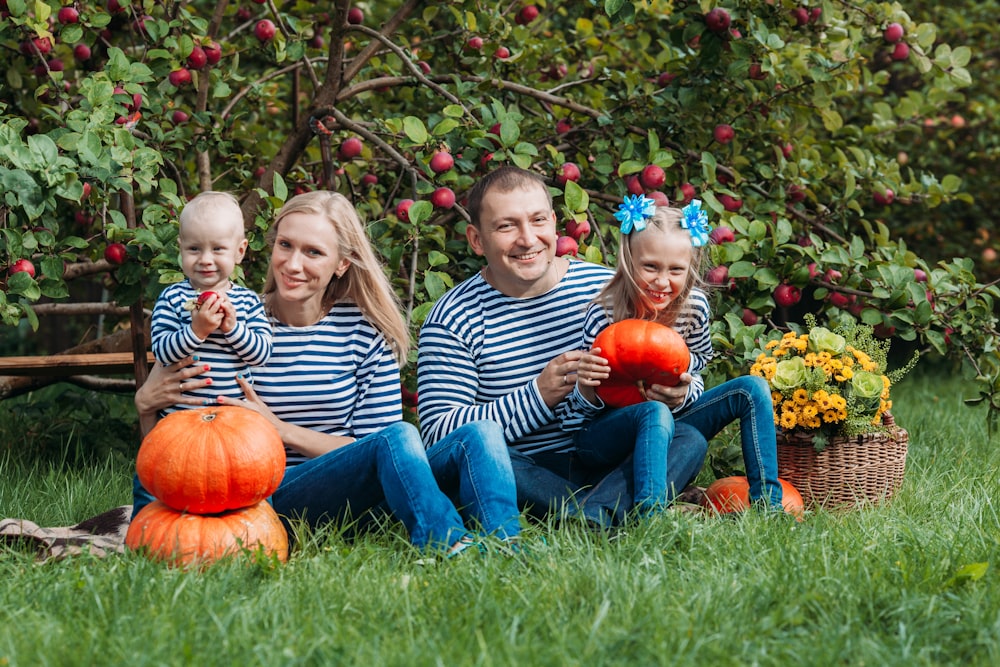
658, 278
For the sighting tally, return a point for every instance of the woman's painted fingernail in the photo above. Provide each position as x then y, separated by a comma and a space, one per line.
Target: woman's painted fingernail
206, 367
204, 401
219, 399
196, 358
208, 380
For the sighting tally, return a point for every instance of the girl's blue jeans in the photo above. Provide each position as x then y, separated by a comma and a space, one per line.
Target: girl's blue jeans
644, 430
748, 399
389, 467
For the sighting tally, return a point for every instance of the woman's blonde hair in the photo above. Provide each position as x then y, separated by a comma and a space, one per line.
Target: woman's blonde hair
364, 283
623, 298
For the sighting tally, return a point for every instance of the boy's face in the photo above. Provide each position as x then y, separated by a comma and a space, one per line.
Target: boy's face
211, 249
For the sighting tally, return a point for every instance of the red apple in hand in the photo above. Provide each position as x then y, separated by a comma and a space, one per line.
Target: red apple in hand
22, 265
787, 295
205, 296
115, 253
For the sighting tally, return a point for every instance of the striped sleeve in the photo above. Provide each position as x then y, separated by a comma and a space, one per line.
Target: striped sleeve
251, 337
171, 335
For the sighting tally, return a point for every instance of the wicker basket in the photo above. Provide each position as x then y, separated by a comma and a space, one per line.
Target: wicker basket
863, 469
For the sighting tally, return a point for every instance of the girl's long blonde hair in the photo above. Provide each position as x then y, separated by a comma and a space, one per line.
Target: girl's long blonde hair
364, 283
623, 298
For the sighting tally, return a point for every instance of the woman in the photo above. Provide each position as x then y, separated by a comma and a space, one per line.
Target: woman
331, 388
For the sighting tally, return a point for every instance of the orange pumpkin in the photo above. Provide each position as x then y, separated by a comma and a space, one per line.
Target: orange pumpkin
640, 353
210, 460
732, 494
186, 539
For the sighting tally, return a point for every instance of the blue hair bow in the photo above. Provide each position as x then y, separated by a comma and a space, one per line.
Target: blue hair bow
695, 221
632, 212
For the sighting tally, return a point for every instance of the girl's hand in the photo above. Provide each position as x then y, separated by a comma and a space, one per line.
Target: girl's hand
591, 371
674, 396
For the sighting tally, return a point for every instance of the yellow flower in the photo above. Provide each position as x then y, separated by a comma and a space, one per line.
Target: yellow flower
787, 420
800, 396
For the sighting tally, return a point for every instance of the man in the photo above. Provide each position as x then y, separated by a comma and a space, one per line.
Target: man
502, 346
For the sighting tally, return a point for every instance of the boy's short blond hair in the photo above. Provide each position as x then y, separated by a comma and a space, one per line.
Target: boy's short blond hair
210, 203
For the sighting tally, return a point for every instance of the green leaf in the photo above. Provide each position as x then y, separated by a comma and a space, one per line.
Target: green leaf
280, 189
434, 283
420, 211
445, 126
576, 198
415, 130
453, 111
612, 7
436, 258
966, 573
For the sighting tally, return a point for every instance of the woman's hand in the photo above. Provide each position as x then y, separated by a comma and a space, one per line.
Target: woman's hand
252, 402
165, 386
674, 396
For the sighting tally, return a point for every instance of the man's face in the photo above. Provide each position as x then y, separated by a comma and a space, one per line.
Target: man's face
517, 236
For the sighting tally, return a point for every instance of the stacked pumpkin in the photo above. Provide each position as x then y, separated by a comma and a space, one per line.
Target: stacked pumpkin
210, 470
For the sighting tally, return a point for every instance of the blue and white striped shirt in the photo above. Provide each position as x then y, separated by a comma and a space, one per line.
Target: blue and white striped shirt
338, 376
692, 324
480, 352
248, 344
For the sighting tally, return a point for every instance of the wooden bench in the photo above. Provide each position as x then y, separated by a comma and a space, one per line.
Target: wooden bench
101, 363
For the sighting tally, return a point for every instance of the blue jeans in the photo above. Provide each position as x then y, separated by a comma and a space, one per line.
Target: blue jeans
644, 430
388, 466
559, 483
472, 467
748, 399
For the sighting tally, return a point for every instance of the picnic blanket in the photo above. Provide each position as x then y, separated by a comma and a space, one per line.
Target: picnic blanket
101, 535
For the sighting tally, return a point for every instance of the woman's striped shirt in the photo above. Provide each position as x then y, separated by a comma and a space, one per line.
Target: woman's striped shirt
338, 376
480, 352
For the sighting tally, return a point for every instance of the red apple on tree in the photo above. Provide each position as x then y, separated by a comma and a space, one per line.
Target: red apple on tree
213, 52
22, 265
578, 230
441, 162
502, 53
355, 16
197, 58
526, 15
687, 192
350, 149
730, 203
723, 133
800, 15
180, 77
566, 245
786, 295
722, 234
717, 20
901, 52
68, 15
659, 198
443, 198
180, 117
563, 126
634, 186
884, 198
569, 171
749, 317
81, 52
893, 33
403, 210
653, 177
264, 30
475, 43
115, 253
718, 275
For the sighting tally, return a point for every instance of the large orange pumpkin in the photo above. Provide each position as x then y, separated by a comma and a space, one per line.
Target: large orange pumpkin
186, 539
640, 353
732, 494
210, 460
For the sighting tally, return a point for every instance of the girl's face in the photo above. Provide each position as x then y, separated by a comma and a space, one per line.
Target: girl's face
305, 258
661, 262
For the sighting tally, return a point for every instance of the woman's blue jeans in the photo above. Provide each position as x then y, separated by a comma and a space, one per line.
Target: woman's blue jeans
472, 466
388, 466
644, 430
748, 399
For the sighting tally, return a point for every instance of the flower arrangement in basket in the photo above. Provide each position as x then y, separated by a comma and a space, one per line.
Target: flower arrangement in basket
837, 442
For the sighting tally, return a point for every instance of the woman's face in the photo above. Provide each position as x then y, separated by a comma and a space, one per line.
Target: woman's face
661, 262
305, 258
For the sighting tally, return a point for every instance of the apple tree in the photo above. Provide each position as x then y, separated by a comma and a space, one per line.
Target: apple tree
797, 123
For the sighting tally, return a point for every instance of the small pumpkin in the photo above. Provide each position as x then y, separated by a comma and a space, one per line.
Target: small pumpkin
732, 494
210, 460
183, 539
640, 353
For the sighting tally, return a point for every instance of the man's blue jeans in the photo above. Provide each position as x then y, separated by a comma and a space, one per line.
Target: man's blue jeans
559, 483
389, 466
748, 399
472, 467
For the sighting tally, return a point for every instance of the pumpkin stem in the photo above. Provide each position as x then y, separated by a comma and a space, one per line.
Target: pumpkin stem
208, 416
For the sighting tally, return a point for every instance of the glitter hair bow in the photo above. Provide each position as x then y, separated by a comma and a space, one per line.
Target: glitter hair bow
632, 212
695, 221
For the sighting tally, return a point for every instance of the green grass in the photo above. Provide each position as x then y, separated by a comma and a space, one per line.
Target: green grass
911, 583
